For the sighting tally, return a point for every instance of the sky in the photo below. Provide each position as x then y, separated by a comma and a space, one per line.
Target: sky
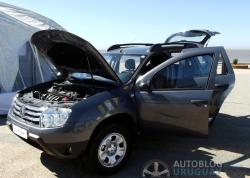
104, 23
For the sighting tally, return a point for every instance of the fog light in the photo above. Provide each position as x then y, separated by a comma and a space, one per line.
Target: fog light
33, 135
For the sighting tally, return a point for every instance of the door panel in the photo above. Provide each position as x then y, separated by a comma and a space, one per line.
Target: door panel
179, 92
188, 109
224, 82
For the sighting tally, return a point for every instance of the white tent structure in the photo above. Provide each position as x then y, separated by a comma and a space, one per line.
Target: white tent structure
19, 64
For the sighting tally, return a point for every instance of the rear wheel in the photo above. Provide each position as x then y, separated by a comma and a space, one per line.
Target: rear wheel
110, 148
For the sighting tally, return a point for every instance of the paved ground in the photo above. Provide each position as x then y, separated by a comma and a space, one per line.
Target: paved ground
228, 144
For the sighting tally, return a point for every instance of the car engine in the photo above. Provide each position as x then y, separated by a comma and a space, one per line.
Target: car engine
62, 92
65, 91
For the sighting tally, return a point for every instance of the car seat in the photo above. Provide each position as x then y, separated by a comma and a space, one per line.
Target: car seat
130, 65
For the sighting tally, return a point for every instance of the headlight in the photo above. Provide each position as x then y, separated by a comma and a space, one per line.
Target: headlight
54, 117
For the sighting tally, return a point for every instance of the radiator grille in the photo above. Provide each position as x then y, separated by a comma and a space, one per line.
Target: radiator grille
26, 113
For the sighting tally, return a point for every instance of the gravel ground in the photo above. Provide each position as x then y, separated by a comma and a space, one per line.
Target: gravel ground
227, 144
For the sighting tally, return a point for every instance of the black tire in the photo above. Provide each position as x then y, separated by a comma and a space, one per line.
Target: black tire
93, 151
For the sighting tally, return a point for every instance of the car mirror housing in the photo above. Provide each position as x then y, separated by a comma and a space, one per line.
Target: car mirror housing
143, 85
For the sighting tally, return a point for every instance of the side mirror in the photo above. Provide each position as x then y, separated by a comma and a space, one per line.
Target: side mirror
144, 86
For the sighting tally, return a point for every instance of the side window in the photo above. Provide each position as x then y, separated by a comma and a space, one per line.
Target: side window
154, 61
189, 73
221, 66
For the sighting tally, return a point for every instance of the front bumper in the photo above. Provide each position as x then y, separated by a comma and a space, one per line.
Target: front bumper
66, 142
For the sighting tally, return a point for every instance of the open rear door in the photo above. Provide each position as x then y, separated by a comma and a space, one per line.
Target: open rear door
177, 93
194, 36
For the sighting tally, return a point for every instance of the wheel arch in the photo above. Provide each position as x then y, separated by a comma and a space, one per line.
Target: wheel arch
124, 119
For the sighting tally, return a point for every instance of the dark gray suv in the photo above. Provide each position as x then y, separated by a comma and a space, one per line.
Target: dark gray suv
96, 103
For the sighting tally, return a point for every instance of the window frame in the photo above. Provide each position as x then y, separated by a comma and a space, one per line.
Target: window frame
213, 56
223, 66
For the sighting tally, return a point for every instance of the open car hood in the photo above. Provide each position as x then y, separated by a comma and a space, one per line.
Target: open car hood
194, 36
70, 53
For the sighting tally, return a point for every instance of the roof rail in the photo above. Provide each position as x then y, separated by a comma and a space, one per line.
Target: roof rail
125, 45
172, 46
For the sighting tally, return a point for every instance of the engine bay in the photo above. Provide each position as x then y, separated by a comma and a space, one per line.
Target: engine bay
61, 92
65, 91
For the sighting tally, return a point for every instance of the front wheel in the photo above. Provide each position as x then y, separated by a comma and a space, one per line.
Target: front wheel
110, 148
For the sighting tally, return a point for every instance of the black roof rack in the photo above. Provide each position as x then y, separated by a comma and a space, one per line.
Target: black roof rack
172, 46
125, 45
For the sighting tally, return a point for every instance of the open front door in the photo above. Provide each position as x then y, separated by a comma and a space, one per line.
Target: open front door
177, 93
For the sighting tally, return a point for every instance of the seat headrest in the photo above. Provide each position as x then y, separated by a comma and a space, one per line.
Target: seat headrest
130, 64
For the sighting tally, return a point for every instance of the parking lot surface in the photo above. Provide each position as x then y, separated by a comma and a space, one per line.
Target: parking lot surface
228, 144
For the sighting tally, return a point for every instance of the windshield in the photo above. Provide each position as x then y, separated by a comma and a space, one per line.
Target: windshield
187, 36
124, 65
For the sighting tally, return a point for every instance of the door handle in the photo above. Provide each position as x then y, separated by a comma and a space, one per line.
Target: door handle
199, 102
